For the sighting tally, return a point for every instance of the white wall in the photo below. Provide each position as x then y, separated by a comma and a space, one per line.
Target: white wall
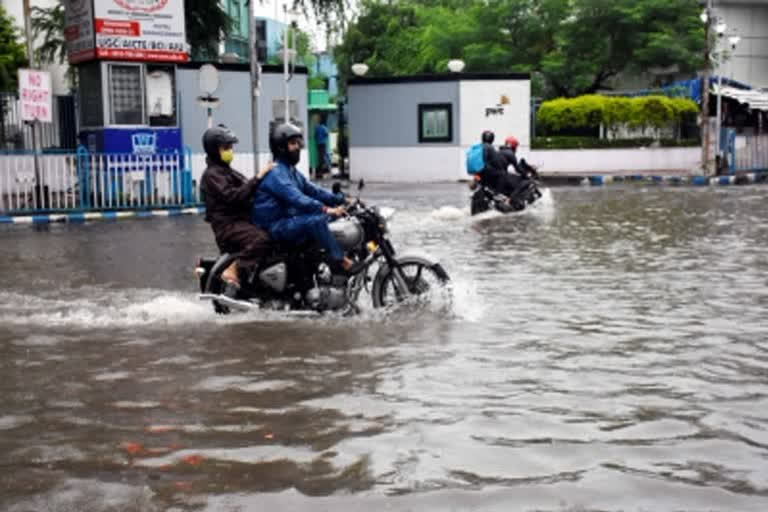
477, 95
429, 165
596, 161
407, 164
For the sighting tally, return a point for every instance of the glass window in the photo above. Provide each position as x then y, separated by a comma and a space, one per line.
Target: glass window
90, 97
161, 95
435, 122
126, 94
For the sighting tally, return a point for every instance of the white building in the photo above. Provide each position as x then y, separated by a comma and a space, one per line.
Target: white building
747, 19
418, 128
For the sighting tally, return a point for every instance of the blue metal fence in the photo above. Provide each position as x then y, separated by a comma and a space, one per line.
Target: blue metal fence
84, 181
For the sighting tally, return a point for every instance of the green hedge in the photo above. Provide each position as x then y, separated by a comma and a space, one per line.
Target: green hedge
592, 110
565, 142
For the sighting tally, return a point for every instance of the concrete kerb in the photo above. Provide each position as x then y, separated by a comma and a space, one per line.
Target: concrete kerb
79, 217
738, 179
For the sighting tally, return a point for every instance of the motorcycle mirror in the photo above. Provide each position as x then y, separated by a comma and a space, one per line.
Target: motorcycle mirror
360, 184
336, 187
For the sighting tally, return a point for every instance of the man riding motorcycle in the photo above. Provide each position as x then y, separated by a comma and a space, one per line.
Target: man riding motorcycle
515, 182
494, 175
291, 208
228, 196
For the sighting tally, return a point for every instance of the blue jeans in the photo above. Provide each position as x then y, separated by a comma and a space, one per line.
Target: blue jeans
307, 227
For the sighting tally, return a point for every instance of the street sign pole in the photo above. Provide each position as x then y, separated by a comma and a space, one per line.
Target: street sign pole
33, 124
254, 68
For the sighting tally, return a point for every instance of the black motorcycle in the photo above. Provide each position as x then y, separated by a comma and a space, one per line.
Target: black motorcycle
299, 278
484, 198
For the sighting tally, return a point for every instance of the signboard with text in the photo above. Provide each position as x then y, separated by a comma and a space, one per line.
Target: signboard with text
35, 96
78, 30
135, 30
140, 30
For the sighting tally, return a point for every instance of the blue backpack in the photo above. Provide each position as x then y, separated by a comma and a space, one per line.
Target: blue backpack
475, 160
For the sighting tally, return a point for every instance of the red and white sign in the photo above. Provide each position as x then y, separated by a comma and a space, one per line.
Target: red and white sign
78, 30
35, 95
143, 30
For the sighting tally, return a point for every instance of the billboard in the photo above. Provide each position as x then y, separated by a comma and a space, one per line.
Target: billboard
78, 30
135, 30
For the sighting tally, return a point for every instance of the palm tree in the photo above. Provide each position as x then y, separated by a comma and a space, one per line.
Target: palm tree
49, 23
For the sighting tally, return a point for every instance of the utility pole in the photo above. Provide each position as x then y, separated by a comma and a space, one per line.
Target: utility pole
33, 124
255, 77
705, 95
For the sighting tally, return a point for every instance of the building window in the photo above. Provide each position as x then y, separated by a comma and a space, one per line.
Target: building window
161, 95
435, 122
90, 97
126, 94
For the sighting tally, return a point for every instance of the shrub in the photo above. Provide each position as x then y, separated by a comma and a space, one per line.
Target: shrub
613, 112
563, 142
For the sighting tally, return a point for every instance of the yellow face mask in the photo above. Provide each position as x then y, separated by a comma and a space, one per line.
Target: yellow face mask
227, 155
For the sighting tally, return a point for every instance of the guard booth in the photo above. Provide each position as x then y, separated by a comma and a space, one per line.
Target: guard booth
125, 52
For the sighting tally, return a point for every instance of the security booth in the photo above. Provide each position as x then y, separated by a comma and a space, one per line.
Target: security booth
128, 107
125, 52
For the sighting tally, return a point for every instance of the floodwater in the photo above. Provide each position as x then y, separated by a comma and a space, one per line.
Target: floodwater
605, 351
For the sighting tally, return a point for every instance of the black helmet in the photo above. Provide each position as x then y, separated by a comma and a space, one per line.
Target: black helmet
488, 137
215, 137
278, 139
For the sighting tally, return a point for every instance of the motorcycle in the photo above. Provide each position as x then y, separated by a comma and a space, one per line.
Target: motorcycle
484, 198
299, 279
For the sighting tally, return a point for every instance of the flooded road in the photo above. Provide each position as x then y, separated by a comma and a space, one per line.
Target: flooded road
606, 351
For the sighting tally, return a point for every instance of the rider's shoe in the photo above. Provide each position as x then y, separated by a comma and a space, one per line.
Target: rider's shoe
355, 268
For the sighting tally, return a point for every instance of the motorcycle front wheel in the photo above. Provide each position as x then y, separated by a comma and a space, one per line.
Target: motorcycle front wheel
426, 280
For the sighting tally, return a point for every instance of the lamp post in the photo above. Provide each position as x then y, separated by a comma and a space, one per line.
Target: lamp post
705, 125
734, 42
720, 28
456, 65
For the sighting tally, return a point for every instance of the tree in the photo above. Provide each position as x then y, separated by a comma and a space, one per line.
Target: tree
602, 38
47, 25
13, 53
576, 45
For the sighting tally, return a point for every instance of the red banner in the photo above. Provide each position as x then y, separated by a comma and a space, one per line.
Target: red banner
117, 27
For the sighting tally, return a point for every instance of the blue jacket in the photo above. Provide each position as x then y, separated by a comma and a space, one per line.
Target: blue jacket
285, 192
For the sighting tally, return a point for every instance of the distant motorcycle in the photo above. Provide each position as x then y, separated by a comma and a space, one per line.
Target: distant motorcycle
484, 198
299, 278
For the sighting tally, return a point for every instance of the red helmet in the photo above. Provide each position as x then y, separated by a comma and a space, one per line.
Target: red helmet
511, 142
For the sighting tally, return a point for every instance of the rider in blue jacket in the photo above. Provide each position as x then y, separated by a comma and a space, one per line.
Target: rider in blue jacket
291, 208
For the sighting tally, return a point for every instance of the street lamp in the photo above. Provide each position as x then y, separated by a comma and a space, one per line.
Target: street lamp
720, 28
359, 68
456, 65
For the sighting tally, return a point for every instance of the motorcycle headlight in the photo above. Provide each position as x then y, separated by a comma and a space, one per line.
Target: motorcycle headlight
384, 215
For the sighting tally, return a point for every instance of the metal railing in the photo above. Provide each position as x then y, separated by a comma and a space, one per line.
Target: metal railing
16, 135
88, 181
